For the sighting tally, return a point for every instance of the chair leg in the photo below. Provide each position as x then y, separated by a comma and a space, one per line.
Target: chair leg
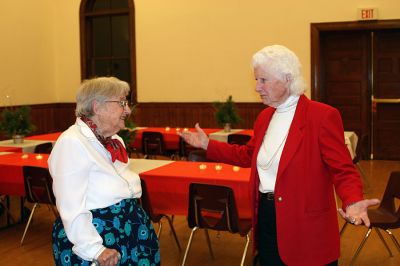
159, 229
28, 223
245, 249
343, 228
209, 243
393, 239
173, 232
384, 242
361, 246
188, 245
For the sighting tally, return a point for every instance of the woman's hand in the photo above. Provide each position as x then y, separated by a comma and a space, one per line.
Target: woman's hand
197, 139
109, 257
357, 213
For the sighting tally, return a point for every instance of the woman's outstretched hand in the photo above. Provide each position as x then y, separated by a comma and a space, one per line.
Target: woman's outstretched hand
357, 213
197, 139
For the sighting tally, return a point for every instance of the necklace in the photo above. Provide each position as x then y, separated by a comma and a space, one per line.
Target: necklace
269, 163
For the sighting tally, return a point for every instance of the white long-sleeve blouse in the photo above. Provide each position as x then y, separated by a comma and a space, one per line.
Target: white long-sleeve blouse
85, 178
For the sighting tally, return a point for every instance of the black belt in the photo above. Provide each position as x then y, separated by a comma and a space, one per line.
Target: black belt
267, 196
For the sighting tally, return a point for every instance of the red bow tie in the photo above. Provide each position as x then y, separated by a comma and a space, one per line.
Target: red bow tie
117, 150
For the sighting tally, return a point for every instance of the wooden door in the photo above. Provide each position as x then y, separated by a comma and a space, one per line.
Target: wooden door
386, 94
355, 67
345, 64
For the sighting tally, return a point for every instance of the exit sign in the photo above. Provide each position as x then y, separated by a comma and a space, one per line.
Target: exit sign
367, 13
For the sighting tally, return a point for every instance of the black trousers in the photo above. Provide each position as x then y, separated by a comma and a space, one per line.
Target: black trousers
268, 253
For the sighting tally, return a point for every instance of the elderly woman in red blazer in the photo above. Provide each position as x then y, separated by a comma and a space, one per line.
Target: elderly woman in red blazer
298, 157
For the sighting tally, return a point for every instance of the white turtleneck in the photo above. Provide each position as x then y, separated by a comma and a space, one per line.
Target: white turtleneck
274, 140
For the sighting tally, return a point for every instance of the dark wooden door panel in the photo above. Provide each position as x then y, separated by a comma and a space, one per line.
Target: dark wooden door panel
386, 90
344, 71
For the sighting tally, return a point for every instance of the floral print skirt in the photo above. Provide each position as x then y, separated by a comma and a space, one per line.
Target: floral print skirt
124, 226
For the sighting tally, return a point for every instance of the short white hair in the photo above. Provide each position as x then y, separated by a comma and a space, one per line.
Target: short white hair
98, 89
281, 61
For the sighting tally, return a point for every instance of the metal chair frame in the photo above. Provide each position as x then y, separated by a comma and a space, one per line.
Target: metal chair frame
239, 139
44, 148
385, 217
224, 207
152, 138
37, 179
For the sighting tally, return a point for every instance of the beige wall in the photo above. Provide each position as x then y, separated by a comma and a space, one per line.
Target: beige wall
27, 57
187, 51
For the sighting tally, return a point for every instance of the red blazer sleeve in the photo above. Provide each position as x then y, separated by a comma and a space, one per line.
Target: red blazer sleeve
335, 154
239, 155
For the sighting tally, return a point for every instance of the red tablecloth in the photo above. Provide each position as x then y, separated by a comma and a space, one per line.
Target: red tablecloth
168, 185
49, 137
10, 149
249, 132
171, 138
11, 178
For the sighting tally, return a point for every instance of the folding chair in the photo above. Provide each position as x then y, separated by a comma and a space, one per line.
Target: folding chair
152, 144
239, 139
385, 217
38, 189
214, 207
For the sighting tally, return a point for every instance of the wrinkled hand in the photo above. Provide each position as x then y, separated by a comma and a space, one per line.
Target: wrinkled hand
197, 139
357, 213
109, 257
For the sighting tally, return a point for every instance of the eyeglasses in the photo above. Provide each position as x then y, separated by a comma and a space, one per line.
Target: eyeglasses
122, 103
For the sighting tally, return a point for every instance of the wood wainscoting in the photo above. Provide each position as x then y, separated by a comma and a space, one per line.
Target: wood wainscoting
50, 117
54, 117
187, 114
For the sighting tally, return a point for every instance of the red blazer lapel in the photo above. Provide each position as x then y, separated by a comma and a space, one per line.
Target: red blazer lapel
259, 131
295, 135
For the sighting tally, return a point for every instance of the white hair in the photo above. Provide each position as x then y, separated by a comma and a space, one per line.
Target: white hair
98, 89
281, 61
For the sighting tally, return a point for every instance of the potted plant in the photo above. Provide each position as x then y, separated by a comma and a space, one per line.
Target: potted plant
226, 114
16, 123
127, 134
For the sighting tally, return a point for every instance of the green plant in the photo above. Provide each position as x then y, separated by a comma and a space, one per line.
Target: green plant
128, 134
226, 112
16, 121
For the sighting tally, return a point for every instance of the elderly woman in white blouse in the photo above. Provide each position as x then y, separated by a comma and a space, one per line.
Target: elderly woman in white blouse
297, 156
96, 193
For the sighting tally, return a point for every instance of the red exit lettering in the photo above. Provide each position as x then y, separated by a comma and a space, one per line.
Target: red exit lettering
367, 13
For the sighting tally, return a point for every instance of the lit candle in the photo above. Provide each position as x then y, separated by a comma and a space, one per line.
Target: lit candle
178, 129
167, 128
218, 167
203, 166
39, 157
24, 156
185, 129
236, 168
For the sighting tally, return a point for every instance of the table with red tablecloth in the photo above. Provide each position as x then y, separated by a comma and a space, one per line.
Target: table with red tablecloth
167, 181
249, 132
168, 185
52, 137
171, 138
10, 149
11, 177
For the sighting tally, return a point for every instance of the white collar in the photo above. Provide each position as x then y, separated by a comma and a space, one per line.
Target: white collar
289, 104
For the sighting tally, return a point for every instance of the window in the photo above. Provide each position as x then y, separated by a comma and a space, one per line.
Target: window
108, 40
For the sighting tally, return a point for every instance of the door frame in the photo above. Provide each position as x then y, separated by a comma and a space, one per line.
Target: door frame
317, 28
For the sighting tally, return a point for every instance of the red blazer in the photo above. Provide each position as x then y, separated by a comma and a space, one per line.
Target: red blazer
314, 161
